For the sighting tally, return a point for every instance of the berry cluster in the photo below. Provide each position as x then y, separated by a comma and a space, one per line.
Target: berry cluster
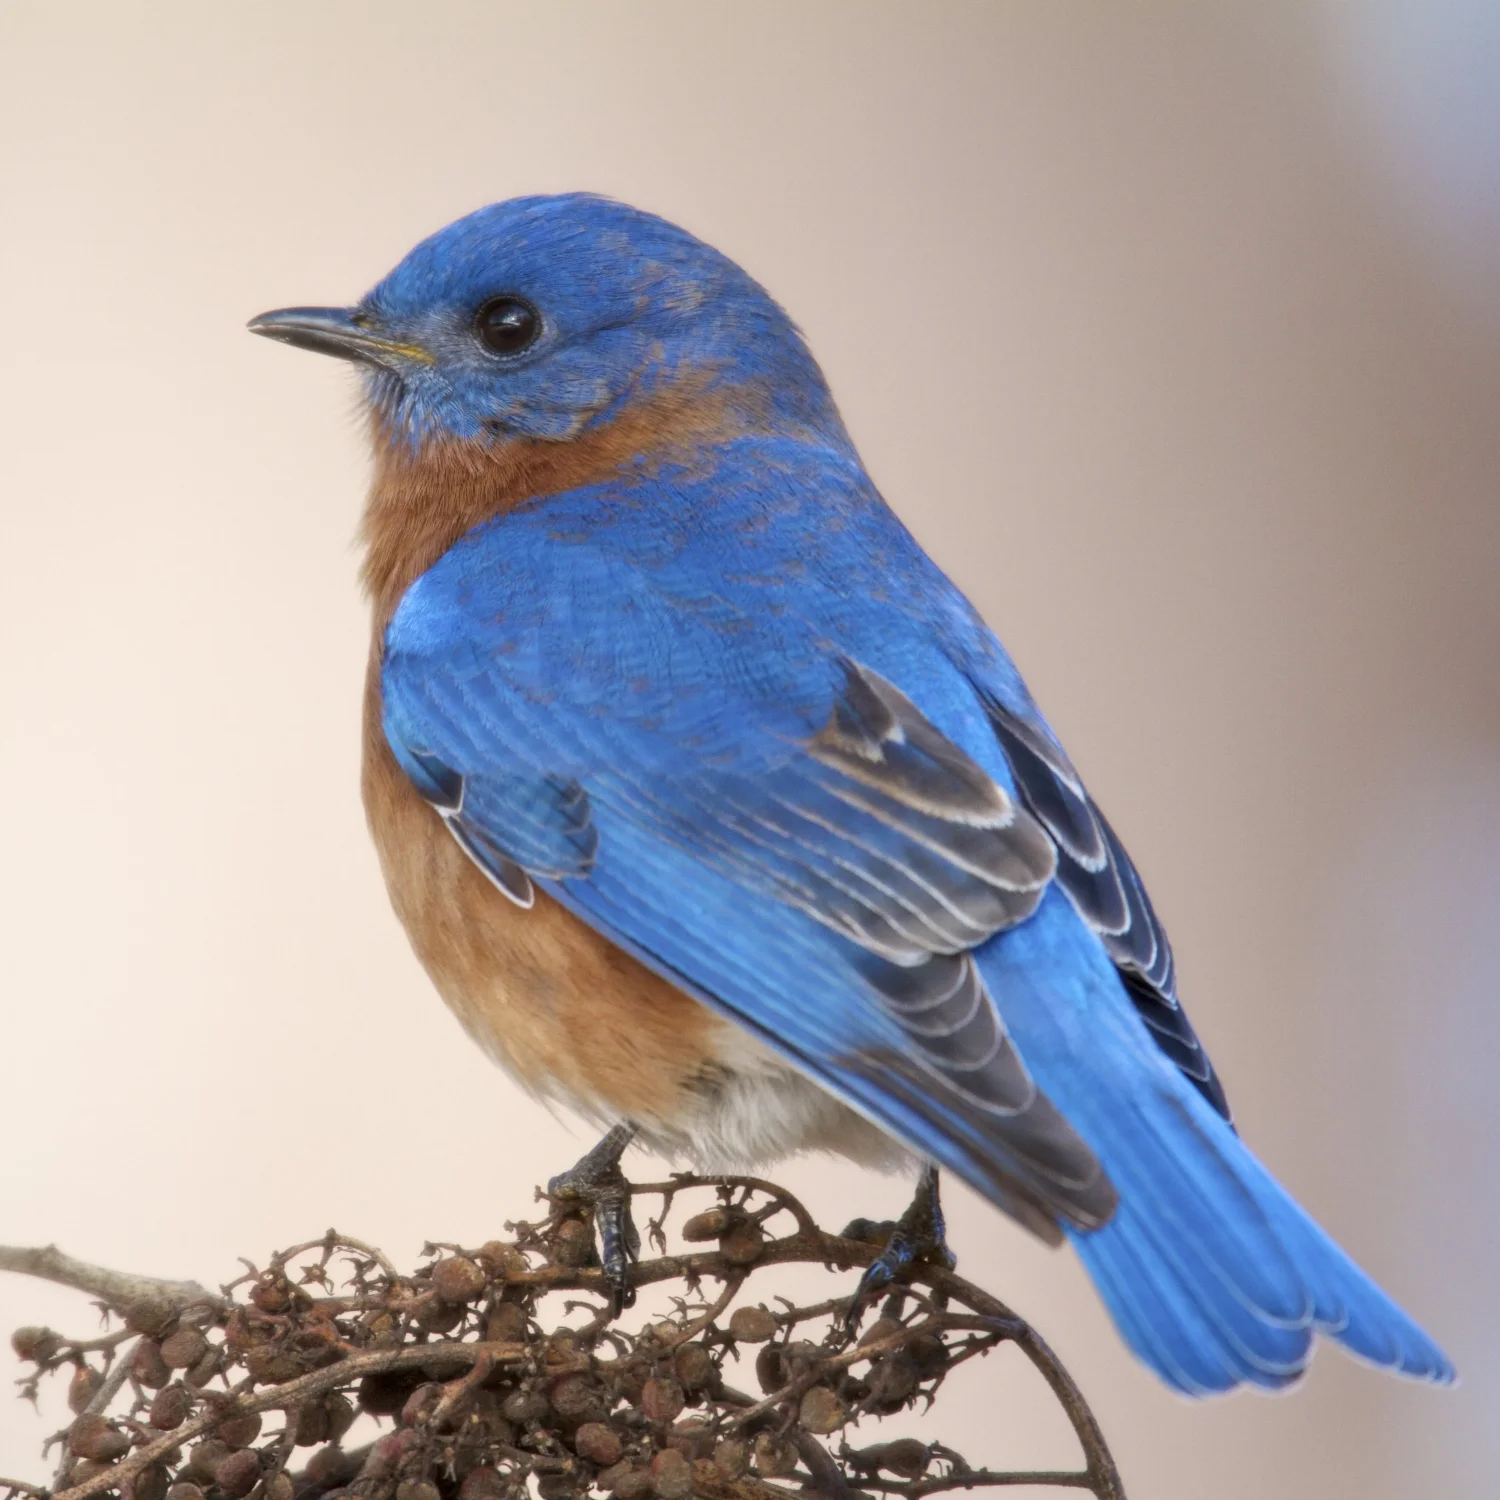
328, 1375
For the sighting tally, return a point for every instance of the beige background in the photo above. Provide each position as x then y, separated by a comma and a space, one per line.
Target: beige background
1172, 330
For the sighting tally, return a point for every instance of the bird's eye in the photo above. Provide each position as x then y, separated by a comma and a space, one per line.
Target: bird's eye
507, 325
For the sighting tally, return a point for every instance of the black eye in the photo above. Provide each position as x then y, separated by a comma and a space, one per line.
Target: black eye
507, 325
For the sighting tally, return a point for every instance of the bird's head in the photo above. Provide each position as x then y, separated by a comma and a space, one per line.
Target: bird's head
543, 318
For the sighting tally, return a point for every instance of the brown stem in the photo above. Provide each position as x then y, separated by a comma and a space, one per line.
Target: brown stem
1103, 1476
332, 1241
1079, 1479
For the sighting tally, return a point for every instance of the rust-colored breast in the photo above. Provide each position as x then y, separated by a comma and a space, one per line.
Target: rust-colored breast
561, 1008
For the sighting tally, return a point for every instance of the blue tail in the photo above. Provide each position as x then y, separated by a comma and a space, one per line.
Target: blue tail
1216, 1277
1213, 1274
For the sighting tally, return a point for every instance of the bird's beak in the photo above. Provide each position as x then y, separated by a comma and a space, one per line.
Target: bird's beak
338, 331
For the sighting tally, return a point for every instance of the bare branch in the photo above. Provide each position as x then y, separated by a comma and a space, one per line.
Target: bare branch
118, 1288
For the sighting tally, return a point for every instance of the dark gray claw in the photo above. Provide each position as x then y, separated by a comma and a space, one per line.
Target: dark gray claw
918, 1235
597, 1183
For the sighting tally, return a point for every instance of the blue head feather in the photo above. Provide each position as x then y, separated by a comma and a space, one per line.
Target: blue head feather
630, 305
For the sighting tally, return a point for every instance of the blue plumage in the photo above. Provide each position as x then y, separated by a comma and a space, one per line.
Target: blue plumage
719, 704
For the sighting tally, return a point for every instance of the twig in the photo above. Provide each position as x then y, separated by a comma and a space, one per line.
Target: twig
332, 1241
1102, 1473
1078, 1479
118, 1288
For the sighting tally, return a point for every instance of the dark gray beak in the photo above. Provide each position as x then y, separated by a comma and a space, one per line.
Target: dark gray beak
337, 331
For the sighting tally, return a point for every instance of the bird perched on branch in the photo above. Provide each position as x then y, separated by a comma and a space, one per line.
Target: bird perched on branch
714, 810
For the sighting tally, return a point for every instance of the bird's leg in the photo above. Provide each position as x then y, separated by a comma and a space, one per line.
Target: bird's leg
918, 1235
596, 1183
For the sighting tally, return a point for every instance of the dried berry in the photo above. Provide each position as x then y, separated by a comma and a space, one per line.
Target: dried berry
433, 1315
599, 1443
732, 1458
930, 1353
483, 1483
892, 1380
183, 1349
239, 1473
713, 1223
774, 1458
633, 1484
573, 1243
149, 1484
148, 1367
203, 1462
458, 1279
743, 1246
86, 1380
662, 1399
671, 1475
312, 1425
279, 1487
417, 1489
243, 1332
695, 1367
152, 1316
92, 1436
239, 1430
272, 1295
610, 1479
272, 1366
387, 1453
752, 1325
170, 1408
38, 1344
184, 1490
692, 1437
576, 1398
505, 1323
420, 1403
501, 1260
821, 1411
341, 1415
770, 1368
331, 1467
522, 1407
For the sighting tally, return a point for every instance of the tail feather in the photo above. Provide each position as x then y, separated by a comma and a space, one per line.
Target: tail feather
1213, 1275
1193, 1266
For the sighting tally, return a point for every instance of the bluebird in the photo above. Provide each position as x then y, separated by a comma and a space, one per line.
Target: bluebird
716, 812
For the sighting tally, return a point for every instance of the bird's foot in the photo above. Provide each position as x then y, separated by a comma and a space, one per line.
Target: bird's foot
916, 1237
596, 1184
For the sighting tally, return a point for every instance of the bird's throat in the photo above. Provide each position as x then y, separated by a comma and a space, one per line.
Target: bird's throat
424, 498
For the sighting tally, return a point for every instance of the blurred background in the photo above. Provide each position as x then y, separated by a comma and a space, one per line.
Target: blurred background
1172, 330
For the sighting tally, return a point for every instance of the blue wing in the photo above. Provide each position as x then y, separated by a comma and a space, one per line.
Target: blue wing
736, 720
